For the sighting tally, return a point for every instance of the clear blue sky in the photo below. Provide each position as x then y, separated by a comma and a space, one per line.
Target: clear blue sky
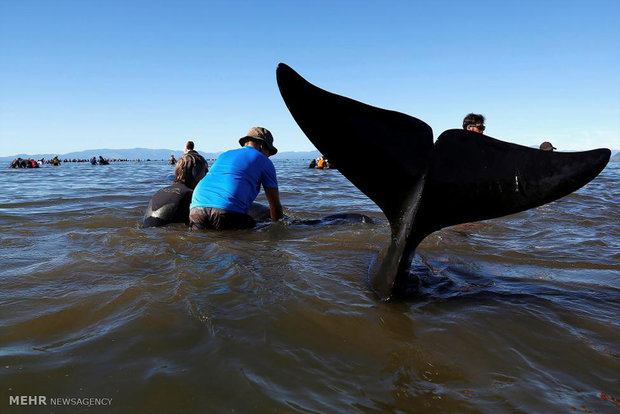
82, 74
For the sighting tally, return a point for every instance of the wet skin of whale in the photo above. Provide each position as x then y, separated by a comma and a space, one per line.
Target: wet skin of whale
176, 210
424, 186
260, 213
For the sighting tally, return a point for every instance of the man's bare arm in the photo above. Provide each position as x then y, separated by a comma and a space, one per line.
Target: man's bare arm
275, 208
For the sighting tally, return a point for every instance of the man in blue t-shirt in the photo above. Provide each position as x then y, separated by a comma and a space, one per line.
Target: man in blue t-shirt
222, 199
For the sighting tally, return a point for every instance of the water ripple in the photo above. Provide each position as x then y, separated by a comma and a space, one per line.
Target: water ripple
513, 314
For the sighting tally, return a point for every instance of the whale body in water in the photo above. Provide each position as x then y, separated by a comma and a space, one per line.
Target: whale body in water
423, 186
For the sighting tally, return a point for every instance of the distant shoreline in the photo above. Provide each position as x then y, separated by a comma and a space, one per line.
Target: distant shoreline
144, 154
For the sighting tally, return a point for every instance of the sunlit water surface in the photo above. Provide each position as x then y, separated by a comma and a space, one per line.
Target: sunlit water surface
518, 314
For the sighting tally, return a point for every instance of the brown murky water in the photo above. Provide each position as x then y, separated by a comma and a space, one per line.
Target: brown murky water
518, 314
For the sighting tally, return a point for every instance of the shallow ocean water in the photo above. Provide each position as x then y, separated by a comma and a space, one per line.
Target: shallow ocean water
517, 314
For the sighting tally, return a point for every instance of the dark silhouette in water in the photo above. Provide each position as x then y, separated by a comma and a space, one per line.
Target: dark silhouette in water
24, 163
171, 204
260, 213
424, 186
333, 219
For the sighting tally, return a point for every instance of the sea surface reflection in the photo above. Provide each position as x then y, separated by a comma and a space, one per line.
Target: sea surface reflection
517, 314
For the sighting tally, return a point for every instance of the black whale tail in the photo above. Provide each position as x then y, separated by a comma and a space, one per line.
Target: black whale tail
420, 186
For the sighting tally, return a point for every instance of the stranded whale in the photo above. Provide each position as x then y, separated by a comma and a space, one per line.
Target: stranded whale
171, 205
260, 213
423, 186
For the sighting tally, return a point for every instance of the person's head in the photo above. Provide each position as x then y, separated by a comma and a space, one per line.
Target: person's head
261, 139
474, 122
190, 169
189, 146
547, 146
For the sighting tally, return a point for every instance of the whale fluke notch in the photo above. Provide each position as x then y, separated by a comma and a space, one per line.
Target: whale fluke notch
423, 186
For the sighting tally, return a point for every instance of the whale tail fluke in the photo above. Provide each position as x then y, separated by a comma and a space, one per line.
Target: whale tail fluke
423, 186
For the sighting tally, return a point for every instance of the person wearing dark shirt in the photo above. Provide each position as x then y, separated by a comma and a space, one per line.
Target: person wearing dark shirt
171, 204
189, 149
189, 146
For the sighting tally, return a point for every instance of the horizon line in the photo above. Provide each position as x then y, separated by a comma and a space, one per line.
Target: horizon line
128, 149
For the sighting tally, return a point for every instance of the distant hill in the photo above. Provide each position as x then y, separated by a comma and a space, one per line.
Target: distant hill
131, 154
147, 154
164, 154
297, 155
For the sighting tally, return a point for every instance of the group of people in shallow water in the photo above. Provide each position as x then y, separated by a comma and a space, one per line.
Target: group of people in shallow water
30, 163
222, 197
100, 161
24, 163
320, 163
